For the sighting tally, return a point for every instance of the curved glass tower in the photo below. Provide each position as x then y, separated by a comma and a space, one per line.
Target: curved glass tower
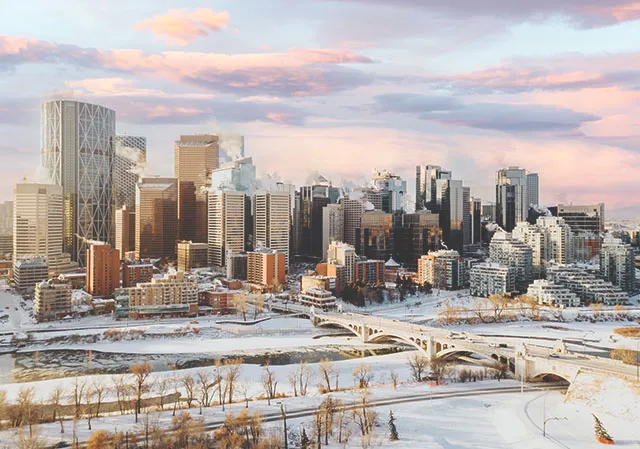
77, 152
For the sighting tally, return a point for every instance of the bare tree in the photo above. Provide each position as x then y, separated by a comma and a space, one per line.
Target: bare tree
258, 305
89, 397
55, 402
325, 372
299, 379
25, 404
100, 391
77, 393
395, 379
363, 415
205, 385
122, 388
418, 365
269, 382
162, 387
232, 376
241, 305
189, 388
363, 375
499, 303
141, 372
438, 367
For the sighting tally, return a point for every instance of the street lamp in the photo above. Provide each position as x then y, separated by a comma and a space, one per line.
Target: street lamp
283, 411
544, 425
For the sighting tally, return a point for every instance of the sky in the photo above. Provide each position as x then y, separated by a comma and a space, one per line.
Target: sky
343, 87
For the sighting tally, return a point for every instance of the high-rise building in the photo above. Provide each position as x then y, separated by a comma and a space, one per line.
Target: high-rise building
506, 250
6, 218
38, 223
533, 190
550, 239
125, 239
130, 156
78, 154
511, 197
343, 254
156, 222
442, 269
226, 225
454, 212
266, 267
332, 225
196, 156
476, 220
586, 246
420, 233
309, 204
489, 211
272, 221
353, 212
617, 263
588, 218
467, 231
393, 190
376, 235
426, 186
103, 270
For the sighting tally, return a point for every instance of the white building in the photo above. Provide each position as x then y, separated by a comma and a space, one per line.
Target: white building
442, 269
272, 221
340, 253
226, 225
547, 292
550, 239
332, 225
617, 263
585, 284
491, 278
318, 298
506, 250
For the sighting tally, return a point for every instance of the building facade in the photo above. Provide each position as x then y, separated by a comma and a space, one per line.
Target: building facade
552, 294
52, 300
420, 233
156, 223
617, 263
78, 154
266, 267
103, 270
343, 254
28, 272
130, 157
226, 225
492, 278
511, 197
442, 269
588, 218
506, 250
162, 295
332, 225
125, 238
272, 222
192, 255
134, 273
376, 235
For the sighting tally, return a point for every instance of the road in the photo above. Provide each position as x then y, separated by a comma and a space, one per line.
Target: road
305, 412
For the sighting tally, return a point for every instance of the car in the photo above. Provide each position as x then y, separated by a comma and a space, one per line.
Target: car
494, 345
554, 355
502, 345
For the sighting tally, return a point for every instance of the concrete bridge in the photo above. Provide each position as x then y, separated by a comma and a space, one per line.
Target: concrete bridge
527, 362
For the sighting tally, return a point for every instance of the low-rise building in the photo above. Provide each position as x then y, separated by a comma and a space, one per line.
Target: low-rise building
134, 273
266, 267
52, 300
219, 300
442, 269
337, 273
370, 271
490, 278
77, 280
318, 298
28, 272
192, 255
174, 294
584, 283
550, 293
316, 281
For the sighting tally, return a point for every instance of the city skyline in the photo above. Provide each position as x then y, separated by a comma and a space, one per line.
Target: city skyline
535, 86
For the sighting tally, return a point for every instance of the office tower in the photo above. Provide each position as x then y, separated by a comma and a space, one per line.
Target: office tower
476, 220
125, 239
588, 218
617, 263
272, 221
52, 300
196, 156
489, 211
226, 225
420, 233
343, 254
353, 212
511, 197
369, 196
237, 266
426, 188
78, 154
454, 211
332, 226
156, 217
310, 202
238, 175
467, 232
487, 279
6, 218
135, 273
192, 255
393, 190
38, 222
130, 156
506, 250
533, 190
6, 245
376, 235
442, 269
267, 268
550, 240
103, 270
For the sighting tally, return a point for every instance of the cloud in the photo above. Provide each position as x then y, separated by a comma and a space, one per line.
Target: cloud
582, 13
181, 26
297, 72
569, 72
506, 117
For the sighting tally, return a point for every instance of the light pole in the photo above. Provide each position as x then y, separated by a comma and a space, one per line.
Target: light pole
283, 411
544, 425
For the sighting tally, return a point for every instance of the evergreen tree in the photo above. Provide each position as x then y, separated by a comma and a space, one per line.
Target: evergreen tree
601, 432
304, 440
393, 432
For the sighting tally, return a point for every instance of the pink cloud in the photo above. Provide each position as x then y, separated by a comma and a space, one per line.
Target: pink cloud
180, 26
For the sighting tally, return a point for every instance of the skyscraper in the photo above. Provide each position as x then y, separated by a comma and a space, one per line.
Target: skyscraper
393, 190
77, 152
125, 238
129, 161
533, 190
376, 235
588, 218
420, 233
38, 222
506, 250
476, 220
309, 204
426, 188
156, 212
550, 240
226, 225
511, 197
454, 211
353, 211
196, 156
272, 221
332, 226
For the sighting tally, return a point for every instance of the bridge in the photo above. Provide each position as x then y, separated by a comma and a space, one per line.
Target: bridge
527, 362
